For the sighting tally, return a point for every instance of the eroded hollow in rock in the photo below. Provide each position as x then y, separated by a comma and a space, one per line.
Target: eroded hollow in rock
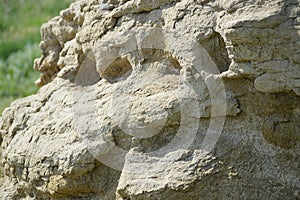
152, 55
216, 48
123, 66
119, 69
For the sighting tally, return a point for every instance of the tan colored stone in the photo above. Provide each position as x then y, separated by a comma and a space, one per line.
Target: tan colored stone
126, 84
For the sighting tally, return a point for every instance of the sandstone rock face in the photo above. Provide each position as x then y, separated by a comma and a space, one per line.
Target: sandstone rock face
160, 99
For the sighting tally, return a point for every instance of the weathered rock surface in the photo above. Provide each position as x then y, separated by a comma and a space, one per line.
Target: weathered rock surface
128, 94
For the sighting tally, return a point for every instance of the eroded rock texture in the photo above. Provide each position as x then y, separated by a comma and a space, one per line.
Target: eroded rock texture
117, 86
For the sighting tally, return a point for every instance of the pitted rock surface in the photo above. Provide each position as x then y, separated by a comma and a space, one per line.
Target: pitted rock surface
112, 93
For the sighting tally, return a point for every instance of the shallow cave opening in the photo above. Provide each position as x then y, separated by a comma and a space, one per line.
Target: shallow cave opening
117, 70
216, 48
122, 67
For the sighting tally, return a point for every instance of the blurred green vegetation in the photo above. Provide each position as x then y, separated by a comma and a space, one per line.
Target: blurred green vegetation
20, 22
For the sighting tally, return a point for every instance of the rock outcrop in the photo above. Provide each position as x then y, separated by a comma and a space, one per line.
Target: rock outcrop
160, 99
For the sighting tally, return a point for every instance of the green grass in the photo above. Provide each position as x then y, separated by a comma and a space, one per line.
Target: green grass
20, 22
17, 75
